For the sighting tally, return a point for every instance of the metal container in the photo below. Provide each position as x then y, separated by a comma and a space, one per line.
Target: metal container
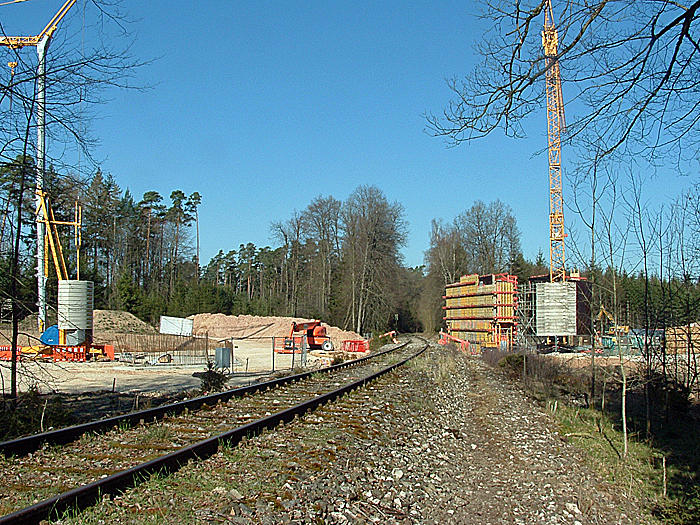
75, 305
222, 357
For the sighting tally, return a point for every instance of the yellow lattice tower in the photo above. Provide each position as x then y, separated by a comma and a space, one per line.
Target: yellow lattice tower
555, 125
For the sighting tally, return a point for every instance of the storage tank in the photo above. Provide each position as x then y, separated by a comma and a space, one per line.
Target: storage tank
75, 305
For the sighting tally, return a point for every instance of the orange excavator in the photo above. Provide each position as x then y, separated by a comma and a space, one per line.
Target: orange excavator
316, 337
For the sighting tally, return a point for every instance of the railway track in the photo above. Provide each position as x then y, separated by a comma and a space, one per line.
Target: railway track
79, 466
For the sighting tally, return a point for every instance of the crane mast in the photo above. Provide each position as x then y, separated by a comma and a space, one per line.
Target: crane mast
41, 42
555, 126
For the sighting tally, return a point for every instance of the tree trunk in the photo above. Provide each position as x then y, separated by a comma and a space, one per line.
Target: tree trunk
147, 261
14, 279
196, 218
624, 406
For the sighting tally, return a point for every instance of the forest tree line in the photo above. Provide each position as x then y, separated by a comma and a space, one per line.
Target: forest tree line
339, 261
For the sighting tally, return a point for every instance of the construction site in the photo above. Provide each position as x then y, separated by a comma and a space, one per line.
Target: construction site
231, 344
141, 358
554, 312
549, 311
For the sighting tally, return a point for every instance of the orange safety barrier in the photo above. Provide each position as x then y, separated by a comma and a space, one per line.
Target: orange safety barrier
69, 353
6, 353
464, 346
57, 353
354, 345
391, 334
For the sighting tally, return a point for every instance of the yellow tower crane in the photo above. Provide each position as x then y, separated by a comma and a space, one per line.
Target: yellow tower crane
41, 42
555, 126
18, 42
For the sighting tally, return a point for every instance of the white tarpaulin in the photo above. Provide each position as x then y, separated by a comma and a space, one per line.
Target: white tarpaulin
175, 325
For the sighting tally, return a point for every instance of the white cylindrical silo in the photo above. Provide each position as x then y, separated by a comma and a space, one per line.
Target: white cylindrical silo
75, 305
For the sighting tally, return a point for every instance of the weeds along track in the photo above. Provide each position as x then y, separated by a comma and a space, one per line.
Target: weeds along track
47, 482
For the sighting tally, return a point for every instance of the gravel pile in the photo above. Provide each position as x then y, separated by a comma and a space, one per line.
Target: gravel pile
444, 440
118, 321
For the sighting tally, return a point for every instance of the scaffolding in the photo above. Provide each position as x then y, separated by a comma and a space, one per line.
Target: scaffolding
542, 314
527, 335
482, 309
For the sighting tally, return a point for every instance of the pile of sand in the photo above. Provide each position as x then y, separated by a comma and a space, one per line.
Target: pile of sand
108, 323
220, 326
117, 321
105, 324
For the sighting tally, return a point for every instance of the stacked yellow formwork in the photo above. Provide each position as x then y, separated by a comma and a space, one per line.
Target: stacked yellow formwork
482, 309
683, 339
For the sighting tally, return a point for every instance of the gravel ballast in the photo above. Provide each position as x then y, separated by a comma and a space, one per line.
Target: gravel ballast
445, 439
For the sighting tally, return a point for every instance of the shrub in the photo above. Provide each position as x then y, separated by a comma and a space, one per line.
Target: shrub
212, 380
31, 413
513, 363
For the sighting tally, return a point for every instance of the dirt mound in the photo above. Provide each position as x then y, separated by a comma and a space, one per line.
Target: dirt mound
105, 323
117, 321
220, 326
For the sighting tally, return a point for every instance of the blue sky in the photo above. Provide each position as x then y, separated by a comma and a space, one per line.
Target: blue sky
262, 105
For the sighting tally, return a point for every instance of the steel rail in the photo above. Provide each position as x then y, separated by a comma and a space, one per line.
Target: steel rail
83, 497
62, 436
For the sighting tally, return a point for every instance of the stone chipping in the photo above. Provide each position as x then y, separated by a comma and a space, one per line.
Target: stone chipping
443, 440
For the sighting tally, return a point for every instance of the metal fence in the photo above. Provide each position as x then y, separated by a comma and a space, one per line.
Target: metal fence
154, 349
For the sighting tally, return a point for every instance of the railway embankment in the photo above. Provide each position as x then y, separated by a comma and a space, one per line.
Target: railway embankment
442, 440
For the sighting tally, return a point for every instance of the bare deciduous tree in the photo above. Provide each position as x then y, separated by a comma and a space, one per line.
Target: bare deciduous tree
490, 236
446, 255
373, 232
321, 222
290, 234
483, 239
631, 67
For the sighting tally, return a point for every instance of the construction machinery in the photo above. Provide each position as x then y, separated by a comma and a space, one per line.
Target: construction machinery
555, 125
613, 328
313, 334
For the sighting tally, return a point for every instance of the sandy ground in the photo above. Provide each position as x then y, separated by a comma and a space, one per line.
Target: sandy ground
252, 356
69, 377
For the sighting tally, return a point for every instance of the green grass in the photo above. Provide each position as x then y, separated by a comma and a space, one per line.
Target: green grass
158, 434
659, 472
635, 474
